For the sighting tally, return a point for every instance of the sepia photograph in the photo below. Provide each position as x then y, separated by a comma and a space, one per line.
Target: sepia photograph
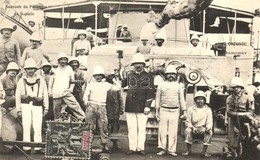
129, 79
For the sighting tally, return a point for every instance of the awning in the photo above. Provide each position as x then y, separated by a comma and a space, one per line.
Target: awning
108, 6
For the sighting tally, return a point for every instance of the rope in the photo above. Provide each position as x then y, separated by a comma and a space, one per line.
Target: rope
26, 155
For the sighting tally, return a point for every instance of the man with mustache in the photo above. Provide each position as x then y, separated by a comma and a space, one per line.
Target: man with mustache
61, 90
199, 122
139, 97
80, 83
35, 51
8, 84
9, 47
169, 100
239, 113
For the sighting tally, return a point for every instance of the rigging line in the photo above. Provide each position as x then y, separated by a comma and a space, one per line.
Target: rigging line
17, 23
221, 37
68, 24
76, 30
186, 33
117, 15
19, 15
25, 154
228, 27
8, 11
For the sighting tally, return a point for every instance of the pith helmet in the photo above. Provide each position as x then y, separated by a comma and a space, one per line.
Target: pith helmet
62, 55
73, 59
8, 26
236, 82
194, 36
160, 36
12, 66
138, 58
125, 26
30, 63
82, 33
46, 63
88, 29
171, 69
200, 94
35, 37
98, 70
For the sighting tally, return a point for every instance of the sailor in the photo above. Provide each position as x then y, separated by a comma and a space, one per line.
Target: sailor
32, 103
81, 42
114, 104
158, 49
61, 90
80, 82
169, 100
194, 41
82, 57
90, 36
125, 34
32, 26
48, 76
118, 31
35, 28
255, 88
9, 47
95, 98
199, 123
35, 51
139, 97
240, 109
145, 48
8, 82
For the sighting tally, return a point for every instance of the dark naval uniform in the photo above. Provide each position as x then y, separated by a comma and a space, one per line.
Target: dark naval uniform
139, 95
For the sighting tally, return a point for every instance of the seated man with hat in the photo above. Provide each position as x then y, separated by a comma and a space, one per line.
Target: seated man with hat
199, 123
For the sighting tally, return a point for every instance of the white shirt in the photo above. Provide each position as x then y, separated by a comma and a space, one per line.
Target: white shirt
61, 82
79, 44
97, 92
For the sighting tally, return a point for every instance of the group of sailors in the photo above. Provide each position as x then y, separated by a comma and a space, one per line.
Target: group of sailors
30, 85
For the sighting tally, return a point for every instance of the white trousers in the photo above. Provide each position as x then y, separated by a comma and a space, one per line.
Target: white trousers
168, 125
32, 116
136, 124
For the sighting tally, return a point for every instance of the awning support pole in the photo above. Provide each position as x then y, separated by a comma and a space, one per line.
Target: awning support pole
203, 29
96, 18
235, 27
63, 28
